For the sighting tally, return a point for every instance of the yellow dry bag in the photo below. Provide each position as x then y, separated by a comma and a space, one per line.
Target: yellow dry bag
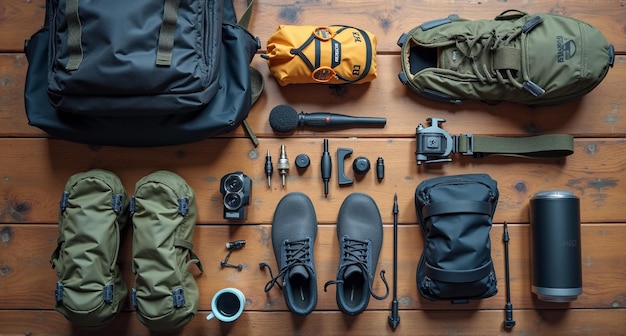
330, 55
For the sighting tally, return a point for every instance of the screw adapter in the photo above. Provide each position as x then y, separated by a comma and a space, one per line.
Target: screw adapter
283, 164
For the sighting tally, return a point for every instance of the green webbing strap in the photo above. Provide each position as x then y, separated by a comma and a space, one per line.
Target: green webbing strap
256, 77
540, 147
507, 58
247, 14
178, 242
193, 258
166, 35
74, 43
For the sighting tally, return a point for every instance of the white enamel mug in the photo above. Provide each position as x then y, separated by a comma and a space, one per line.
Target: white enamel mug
227, 305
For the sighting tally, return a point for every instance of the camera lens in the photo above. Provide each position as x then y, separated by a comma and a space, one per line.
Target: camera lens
233, 183
233, 201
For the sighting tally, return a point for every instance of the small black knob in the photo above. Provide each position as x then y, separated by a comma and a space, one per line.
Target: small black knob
302, 161
361, 165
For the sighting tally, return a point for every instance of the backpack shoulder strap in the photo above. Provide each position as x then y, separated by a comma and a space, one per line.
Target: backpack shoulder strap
256, 78
230, 15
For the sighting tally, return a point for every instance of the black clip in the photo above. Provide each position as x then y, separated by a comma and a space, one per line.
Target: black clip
433, 143
133, 298
178, 297
107, 293
58, 292
183, 205
64, 200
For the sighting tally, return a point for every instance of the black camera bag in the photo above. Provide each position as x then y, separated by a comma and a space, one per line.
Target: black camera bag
455, 214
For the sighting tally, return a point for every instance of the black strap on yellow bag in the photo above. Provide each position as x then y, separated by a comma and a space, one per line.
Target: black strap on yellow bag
325, 54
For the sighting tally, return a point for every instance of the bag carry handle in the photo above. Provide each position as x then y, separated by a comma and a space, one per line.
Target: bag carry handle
511, 14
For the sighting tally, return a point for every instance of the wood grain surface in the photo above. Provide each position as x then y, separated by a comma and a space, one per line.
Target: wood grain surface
35, 167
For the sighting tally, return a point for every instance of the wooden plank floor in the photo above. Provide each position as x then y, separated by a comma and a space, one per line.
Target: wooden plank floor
34, 168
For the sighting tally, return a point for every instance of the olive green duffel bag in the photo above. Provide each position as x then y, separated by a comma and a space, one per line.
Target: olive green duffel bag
163, 212
517, 57
90, 291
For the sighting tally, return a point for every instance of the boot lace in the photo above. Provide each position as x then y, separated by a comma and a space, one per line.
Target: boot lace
355, 253
472, 49
297, 252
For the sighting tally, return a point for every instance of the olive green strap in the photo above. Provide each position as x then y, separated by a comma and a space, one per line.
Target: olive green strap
247, 14
54, 258
166, 34
74, 35
193, 258
256, 77
540, 147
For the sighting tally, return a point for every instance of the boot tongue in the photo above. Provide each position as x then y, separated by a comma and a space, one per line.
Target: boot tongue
299, 270
352, 270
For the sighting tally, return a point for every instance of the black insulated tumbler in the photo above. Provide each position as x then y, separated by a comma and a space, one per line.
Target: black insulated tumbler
555, 245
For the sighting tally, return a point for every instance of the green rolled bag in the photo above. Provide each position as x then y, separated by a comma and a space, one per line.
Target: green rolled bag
164, 212
94, 208
90, 290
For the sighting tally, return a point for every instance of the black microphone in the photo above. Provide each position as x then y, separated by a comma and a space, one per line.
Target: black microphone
284, 119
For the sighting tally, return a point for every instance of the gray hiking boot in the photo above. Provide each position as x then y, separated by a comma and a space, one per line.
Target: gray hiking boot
360, 234
294, 229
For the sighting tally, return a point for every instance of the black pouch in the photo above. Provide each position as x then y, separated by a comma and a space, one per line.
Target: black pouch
455, 214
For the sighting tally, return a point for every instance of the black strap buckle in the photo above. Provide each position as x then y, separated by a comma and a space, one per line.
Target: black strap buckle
433, 143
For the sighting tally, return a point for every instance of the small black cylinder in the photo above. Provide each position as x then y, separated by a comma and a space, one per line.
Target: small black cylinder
555, 245
380, 168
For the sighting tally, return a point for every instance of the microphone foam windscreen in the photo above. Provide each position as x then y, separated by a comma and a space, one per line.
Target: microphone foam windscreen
283, 119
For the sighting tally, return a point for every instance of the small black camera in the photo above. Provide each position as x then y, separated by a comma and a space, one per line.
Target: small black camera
235, 187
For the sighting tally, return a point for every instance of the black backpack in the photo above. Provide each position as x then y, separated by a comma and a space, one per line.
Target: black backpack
140, 73
455, 214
